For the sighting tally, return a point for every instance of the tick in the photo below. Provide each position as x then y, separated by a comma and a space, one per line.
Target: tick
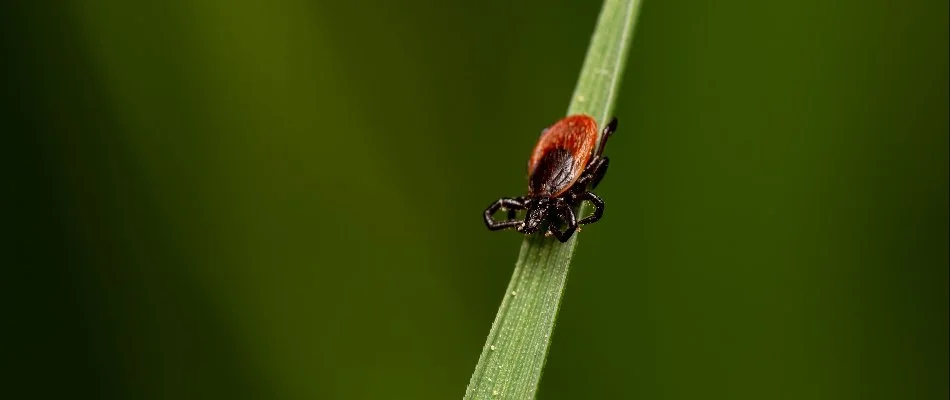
564, 167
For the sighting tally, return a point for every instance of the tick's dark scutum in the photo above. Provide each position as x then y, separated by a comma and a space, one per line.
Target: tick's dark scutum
553, 173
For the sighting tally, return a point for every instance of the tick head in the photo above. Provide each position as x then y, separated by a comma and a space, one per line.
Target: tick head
537, 213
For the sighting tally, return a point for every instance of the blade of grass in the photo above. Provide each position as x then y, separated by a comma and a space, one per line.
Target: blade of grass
514, 354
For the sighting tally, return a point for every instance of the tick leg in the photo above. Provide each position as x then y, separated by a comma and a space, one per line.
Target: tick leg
593, 173
503, 203
599, 171
568, 217
608, 130
598, 208
512, 211
597, 167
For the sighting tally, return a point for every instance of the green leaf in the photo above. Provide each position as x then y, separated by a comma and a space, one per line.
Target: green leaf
514, 354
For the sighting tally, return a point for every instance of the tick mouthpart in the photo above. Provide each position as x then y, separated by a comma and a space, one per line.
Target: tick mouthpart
529, 227
537, 214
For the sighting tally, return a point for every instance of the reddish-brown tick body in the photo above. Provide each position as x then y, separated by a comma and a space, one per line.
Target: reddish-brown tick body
564, 166
561, 155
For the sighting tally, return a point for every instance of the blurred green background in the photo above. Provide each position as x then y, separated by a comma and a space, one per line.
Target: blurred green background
233, 199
